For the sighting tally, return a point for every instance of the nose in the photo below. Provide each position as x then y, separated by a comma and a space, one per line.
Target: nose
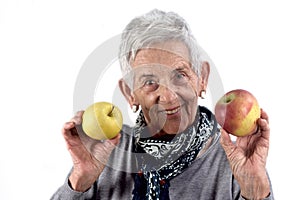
166, 95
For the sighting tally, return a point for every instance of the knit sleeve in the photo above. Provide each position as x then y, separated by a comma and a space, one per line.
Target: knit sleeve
65, 192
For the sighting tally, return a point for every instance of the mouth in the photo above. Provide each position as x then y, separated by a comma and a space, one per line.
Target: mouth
172, 111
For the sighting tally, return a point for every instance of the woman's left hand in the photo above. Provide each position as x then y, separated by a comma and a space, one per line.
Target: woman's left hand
247, 158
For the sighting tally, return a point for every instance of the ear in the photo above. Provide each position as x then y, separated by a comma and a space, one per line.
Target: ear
204, 74
126, 91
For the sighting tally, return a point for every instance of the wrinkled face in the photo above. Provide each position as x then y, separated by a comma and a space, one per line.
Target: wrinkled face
165, 87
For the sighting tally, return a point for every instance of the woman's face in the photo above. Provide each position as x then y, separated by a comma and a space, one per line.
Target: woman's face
165, 87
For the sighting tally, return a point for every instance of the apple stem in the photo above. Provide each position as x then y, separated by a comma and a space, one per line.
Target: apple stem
110, 113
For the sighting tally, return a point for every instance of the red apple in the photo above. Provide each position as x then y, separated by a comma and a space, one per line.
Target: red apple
237, 112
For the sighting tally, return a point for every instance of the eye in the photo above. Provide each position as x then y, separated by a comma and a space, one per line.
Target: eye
180, 78
150, 82
180, 75
150, 85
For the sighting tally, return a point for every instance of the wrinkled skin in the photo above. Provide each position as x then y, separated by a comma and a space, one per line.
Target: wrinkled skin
247, 158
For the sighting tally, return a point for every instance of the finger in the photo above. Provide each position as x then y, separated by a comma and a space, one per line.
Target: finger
264, 128
110, 144
70, 134
115, 141
68, 130
68, 126
264, 115
105, 148
77, 119
226, 143
79, 113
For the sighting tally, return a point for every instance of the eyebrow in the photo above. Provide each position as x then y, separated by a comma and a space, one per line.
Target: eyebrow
143, 76
180, 69
151, 75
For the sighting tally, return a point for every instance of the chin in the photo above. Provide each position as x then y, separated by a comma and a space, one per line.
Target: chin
173, 128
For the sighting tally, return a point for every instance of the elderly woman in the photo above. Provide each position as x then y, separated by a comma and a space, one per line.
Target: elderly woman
176, 149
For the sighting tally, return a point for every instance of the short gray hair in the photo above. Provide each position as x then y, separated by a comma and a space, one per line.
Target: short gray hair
154, 27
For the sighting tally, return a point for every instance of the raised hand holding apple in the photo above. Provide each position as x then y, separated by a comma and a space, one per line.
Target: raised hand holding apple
239, 114
89, 156
247, 158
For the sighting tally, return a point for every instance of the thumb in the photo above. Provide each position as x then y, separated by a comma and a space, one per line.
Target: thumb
115, 141
226, 142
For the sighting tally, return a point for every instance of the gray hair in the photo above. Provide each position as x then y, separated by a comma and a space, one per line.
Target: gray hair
154, 27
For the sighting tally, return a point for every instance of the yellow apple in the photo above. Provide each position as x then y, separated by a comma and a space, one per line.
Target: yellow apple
237, 112
102, 120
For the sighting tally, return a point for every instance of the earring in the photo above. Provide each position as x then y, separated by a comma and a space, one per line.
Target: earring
135, 108
202, 94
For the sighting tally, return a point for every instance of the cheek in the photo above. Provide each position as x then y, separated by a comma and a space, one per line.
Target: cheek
187, 93
150, 109
145, 100
189, 99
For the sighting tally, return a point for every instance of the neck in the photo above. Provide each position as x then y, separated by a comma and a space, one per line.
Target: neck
164, 136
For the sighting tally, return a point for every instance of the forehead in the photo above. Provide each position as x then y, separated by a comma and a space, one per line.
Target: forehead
168, 53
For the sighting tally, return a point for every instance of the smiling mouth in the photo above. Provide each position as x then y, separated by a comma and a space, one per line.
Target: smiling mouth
172, 111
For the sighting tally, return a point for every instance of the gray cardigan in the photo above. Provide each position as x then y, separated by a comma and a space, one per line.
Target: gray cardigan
208, 178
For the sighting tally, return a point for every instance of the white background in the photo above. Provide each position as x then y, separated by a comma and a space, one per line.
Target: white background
43, 44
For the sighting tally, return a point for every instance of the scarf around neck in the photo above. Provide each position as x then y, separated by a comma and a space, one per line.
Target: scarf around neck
161, 160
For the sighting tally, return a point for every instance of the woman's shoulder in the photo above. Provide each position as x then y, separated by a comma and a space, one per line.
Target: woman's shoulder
214, 149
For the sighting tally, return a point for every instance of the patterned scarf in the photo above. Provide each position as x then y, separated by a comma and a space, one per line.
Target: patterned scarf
161, 160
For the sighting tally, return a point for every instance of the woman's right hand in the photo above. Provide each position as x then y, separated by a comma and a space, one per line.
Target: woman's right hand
89, 156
